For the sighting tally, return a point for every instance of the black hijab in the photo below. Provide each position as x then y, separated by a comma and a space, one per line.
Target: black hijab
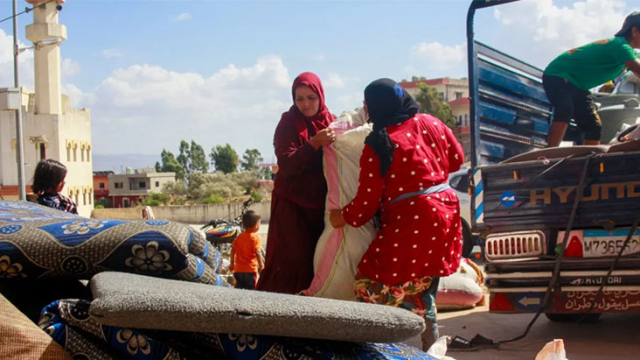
388, 104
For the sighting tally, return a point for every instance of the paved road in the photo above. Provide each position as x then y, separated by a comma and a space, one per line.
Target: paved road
614, 337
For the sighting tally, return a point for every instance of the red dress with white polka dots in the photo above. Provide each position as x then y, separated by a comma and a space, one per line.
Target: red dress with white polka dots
421, 235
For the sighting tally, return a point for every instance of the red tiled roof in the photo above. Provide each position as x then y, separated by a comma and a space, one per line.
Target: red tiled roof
13, 190
458, 102
461, 129
430, 82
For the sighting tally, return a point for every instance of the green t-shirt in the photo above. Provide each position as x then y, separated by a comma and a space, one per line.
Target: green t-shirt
593, 64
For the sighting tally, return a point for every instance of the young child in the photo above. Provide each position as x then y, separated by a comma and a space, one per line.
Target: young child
246, 253
48, 182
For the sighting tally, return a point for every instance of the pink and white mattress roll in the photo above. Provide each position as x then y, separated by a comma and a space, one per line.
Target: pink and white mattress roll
339, 251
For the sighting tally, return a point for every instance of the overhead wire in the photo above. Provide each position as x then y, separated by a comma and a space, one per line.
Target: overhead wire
26, 10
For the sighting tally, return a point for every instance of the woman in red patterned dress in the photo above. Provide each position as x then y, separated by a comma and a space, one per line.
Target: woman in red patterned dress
297, 201
404, 169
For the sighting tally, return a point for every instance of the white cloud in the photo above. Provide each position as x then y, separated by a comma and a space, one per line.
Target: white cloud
77, 97
549, 29
338, 81
182, 17
25, 63
436, 59
144, 108
111, 53
69, 68
349, 101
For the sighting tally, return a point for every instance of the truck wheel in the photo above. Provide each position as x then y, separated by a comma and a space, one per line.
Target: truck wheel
468, 241
588, 318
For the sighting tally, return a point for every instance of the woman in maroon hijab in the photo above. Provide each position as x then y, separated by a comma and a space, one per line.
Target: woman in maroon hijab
297, 204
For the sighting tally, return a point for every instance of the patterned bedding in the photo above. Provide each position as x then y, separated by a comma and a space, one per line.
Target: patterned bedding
42, 243
38, 242
69, 323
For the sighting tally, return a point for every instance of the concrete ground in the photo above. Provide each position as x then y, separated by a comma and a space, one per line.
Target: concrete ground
615, 336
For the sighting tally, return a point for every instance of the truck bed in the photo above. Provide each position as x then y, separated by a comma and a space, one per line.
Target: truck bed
540, 194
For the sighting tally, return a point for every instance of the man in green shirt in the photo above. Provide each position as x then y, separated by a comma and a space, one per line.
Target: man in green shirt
568, 78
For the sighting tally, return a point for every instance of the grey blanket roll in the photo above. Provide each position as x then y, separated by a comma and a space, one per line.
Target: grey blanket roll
137, 301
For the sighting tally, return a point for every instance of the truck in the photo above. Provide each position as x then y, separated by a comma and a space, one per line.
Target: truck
558, 227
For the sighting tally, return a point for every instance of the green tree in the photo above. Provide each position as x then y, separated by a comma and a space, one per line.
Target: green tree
256, 195
155, 199
192, 159
197, 159
214, 199
247, 180
203, 186
265, 173
170, 164
224, 158
251, 160
178, 188
183, 155
431, 103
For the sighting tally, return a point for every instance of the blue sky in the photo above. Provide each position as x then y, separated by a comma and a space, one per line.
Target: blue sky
154, 72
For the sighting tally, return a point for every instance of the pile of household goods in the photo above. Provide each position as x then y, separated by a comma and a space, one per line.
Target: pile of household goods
154, 293
339, 251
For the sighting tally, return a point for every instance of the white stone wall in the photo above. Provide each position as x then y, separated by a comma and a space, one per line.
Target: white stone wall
73, 126
189, 214
75, 151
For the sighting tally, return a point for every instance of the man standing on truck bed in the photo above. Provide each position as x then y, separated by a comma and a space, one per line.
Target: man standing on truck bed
568, 78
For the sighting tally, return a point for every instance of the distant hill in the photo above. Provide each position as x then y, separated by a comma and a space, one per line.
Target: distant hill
119, 162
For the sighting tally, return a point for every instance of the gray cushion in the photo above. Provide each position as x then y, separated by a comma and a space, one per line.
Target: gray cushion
130, 300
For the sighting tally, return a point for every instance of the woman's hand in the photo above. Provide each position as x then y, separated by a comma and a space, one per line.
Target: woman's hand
324, 137
336, 219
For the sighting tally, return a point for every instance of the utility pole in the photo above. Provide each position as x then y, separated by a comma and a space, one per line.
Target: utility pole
22, 192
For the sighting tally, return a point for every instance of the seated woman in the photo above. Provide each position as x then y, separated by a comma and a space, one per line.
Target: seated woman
404, 169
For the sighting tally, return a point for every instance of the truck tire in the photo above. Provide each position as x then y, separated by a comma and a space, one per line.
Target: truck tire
588, 318
468, 241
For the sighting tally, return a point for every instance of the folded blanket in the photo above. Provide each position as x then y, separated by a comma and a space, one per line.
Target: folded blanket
151, 303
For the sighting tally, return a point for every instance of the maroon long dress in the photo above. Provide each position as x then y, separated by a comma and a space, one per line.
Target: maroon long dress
297, 203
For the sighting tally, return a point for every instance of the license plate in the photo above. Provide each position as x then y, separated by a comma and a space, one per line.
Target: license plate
599, 243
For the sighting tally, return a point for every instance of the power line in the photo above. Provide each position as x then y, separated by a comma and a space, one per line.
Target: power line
26, 10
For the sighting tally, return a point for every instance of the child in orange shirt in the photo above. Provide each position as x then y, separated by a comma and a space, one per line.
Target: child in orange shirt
246, 253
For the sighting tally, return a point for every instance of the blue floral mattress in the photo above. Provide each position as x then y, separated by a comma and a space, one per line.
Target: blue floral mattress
38, 242
68, 322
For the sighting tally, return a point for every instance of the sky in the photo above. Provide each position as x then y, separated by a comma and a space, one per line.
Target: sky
155, 72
